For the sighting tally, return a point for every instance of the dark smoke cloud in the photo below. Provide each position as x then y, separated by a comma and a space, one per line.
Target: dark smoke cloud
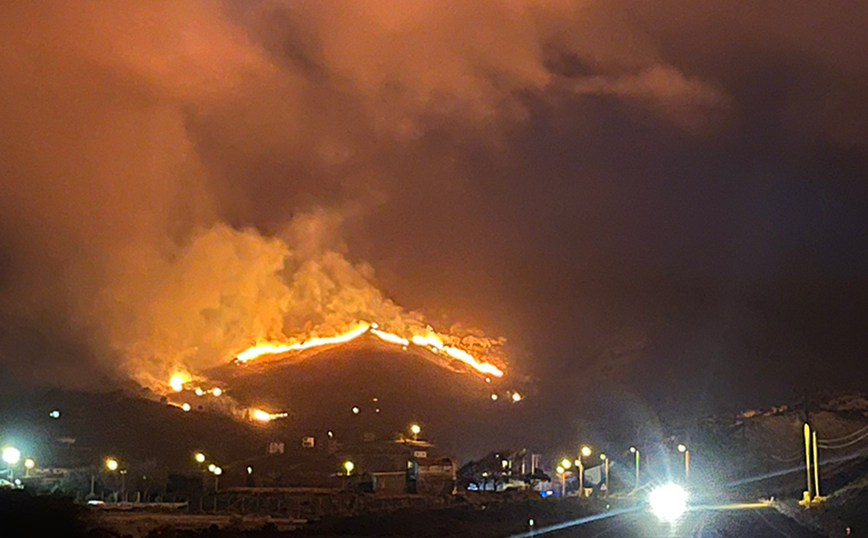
578, 176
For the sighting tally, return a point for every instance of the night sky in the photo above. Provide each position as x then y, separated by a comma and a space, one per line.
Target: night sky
660, 202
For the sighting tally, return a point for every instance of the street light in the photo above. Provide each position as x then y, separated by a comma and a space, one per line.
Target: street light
217, 471
635, 451
211, 467
349, 466
585, 451
28, 464
11, 455
415, 429
111, 464
562, 472
199, 457
606, 470
668, 502
683, 449
566, 463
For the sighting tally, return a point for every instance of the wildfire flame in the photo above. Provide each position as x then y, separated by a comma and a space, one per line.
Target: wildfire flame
178, 380
265, 416
430, 341
273, 348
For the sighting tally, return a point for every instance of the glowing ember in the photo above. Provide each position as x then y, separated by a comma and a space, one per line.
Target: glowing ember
272, 348
265, 416
177, 382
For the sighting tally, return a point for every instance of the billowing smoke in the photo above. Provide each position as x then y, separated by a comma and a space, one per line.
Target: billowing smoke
182, 178
156, 156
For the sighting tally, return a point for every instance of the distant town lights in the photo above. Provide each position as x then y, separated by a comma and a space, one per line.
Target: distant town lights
29, 463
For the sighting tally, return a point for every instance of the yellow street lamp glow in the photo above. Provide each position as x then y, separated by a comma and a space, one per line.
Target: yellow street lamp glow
111, 464
603, 457
415, 429
586, 451
566, 464
217, 471
11, 455
682, 447
349, 466
211, 467
199, 457
560, 470
632, 449
29, 463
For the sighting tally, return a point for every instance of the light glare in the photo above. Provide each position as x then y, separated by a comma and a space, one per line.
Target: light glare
668, 502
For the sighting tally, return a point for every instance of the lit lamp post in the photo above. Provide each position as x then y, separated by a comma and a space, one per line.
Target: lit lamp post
605, 471
217, 471
112, 465
584, 451
683, 449
349, 466
11, 456
561, 472
28, 464
635, 452
415, 429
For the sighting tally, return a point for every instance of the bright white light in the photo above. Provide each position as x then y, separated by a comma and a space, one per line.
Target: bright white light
217, 471
211, 467
29, 463
356, 410
217, 391
186, 407
668, 502
11, 455
55, 414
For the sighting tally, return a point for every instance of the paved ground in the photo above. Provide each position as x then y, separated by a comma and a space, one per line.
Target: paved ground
745, 523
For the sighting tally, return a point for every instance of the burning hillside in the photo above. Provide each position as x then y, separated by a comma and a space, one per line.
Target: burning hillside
238, 296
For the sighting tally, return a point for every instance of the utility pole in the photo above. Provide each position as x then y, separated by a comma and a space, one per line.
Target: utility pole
816, 468
808, 495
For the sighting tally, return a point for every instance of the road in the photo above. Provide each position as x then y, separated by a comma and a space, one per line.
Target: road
748, 522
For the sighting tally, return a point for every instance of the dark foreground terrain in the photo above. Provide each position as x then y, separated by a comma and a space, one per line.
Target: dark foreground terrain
25, 516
